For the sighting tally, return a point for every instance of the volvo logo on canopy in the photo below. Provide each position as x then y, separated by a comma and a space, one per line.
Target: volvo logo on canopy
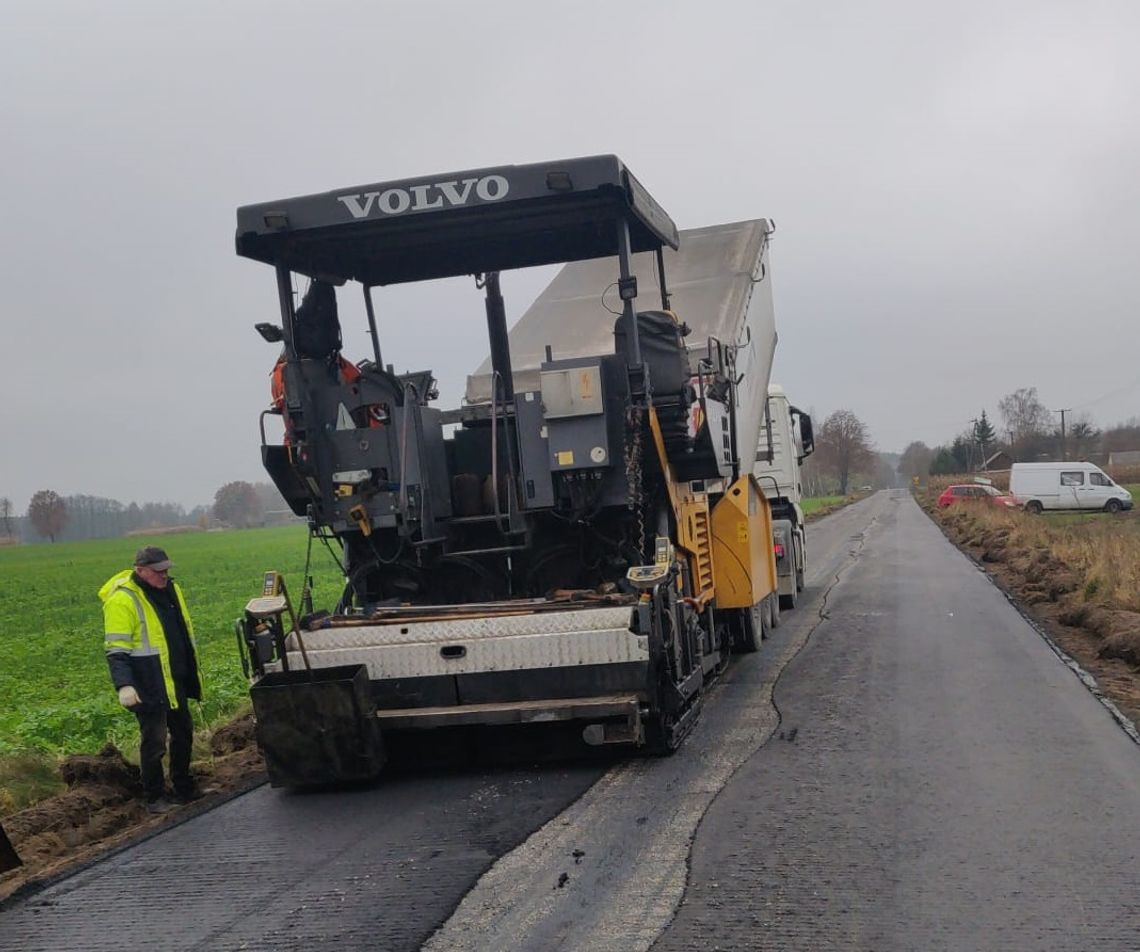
418, 198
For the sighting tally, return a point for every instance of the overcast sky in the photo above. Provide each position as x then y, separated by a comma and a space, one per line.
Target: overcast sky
955, 189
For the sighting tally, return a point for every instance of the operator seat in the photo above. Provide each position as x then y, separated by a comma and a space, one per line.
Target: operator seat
663, 350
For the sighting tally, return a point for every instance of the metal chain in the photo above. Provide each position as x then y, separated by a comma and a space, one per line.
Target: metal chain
633, 453
307, 586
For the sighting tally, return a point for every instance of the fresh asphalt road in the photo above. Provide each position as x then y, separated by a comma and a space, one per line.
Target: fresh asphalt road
939, 781
906, 765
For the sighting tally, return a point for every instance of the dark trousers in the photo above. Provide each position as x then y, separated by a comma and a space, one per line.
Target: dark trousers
153, 728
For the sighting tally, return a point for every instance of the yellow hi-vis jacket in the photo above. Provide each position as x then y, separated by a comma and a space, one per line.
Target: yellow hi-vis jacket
135, 641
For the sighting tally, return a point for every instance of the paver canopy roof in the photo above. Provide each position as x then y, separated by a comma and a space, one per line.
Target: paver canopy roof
457, 223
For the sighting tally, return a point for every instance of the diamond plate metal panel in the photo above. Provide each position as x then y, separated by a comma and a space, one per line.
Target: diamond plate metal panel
482, 653
462, 630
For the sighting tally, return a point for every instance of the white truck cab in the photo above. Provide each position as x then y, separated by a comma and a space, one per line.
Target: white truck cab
786, 439
1056, 486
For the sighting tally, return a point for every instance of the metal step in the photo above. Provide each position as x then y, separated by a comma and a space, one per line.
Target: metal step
546, 710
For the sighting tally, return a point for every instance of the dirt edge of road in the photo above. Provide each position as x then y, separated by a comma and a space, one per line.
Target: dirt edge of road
102, 810
1099, 642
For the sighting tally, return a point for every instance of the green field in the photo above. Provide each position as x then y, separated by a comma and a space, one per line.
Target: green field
56, 690
1073, 518
813, 503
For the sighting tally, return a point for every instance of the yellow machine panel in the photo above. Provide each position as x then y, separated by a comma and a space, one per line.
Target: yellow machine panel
693, 536
744, 564
691, 510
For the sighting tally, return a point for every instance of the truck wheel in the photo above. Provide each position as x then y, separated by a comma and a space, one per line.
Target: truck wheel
1113, 505
754, 628
774, 600
788, 602
765, 610
1033, 507
800, 580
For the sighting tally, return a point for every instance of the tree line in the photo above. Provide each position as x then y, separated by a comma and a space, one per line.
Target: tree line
53, 517
1026, 430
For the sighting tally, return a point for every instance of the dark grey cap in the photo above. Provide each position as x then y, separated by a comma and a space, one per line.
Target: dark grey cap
152, 557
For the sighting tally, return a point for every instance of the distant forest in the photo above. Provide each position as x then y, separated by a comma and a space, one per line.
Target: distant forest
52, 517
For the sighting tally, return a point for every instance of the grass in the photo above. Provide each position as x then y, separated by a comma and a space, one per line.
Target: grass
26, 778
815, 503
1102, 548
54, 681
1102, 551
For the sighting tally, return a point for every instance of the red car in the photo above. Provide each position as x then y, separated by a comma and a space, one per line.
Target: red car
977, 492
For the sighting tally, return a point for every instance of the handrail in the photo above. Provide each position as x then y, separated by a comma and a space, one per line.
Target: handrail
496, 380
261, 422
403, 497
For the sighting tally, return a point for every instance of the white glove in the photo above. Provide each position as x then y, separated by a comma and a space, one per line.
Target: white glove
129, 697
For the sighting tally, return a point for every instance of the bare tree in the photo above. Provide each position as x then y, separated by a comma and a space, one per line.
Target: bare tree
1025, 416
48, 513
269, 497
236, 504
916, 460
885, 474
1122, 437
844, 447
6, 514
1083, 436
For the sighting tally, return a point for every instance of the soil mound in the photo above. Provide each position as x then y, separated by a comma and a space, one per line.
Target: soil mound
1122, 639
108, 768
237, 735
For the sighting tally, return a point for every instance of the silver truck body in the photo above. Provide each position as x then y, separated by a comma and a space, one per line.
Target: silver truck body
718, 285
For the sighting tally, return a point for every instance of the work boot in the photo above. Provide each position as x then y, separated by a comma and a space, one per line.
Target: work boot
160, 806
188, 795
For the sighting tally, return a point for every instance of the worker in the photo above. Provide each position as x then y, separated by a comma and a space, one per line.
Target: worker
316, 336
349, 374
149, 640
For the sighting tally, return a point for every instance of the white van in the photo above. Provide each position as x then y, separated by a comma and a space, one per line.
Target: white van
1041, 486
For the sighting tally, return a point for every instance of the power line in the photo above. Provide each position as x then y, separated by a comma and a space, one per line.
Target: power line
1112, 393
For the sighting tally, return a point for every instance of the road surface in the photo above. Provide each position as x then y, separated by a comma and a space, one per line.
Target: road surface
906, 765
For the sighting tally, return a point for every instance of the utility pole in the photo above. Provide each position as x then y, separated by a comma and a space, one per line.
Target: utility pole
1064, 455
